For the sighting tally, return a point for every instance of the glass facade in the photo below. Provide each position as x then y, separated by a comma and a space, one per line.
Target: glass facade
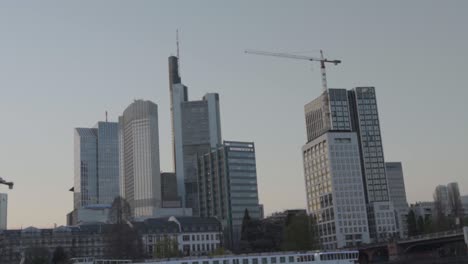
86, 171
366, 123
228, 186
96, 165
108, 162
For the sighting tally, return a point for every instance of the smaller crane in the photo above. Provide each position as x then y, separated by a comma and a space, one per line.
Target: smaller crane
322, 61
10, 184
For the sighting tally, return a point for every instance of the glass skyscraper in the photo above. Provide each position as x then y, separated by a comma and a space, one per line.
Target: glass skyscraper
354, 112
96, 179
227, 185
196, 130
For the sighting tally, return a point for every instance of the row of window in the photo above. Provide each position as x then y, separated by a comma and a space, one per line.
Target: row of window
201, 237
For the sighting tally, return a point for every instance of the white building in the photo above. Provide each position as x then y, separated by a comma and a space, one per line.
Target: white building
193, 235
140, 176
335, 191
3, 210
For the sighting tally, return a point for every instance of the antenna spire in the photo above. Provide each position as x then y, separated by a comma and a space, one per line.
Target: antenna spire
177, 43
106, 116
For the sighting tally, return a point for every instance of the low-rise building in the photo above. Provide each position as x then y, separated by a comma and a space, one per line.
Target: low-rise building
194, 236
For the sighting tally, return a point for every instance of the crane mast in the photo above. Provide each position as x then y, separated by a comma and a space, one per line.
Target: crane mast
322, 61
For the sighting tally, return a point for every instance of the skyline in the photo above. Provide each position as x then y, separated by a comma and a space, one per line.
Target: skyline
100, 60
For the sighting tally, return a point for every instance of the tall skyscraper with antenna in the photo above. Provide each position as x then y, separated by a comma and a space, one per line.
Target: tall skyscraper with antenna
196, 129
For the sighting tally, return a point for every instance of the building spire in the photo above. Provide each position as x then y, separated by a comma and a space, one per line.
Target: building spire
177, 43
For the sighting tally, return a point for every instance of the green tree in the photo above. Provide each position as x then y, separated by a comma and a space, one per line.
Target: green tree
412, 224
124, 240
298, 234
428, 225
59, 256
166, 248
37, 255
220, 251
420, 225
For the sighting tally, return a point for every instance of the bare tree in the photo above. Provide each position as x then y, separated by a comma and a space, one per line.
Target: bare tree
455, 204
440, 218
120, 211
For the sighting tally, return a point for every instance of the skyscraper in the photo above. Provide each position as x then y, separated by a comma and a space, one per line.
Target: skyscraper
227, 186
334, 187
3, 210
96, 179
196, 130
355, 112
397, 192
139, 158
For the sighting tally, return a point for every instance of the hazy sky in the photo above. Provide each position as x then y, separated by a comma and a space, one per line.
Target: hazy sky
64, 63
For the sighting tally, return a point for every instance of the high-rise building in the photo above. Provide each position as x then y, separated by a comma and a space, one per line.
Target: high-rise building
334, 187
355, 112
441, 200
139, 158
169, 190
365, 121
396, 187
85, 180
96, 179
227, 184
196, 130
454, 200
3, 210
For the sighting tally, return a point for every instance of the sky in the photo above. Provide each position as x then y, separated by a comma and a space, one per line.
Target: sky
64, 63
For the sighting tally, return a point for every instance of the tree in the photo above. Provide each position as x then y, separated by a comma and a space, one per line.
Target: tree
455, 203
246, 222
120, 211
166, 248
412, 225
441, 222
298, 234
220, 251
420, 225
59, 256
124, 240
36, 255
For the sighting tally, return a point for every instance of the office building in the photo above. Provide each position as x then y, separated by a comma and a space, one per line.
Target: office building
355, 112
194, 236
196, 130
169, 193
139, 158
441, 200
464, 200
3, 210
424, 210
96, 179
334, 188
227, 184
454, 200
396, 186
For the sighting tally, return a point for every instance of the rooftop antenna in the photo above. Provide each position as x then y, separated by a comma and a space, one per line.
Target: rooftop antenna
177, 42
178, 52
106, 116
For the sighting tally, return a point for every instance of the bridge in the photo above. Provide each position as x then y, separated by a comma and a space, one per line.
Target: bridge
430, 246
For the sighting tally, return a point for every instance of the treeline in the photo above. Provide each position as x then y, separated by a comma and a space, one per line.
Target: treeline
296, 232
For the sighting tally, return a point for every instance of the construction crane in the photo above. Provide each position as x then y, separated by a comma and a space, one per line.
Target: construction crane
322, 61
10, 184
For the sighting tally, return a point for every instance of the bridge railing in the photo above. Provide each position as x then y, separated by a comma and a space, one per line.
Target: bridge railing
433, 235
